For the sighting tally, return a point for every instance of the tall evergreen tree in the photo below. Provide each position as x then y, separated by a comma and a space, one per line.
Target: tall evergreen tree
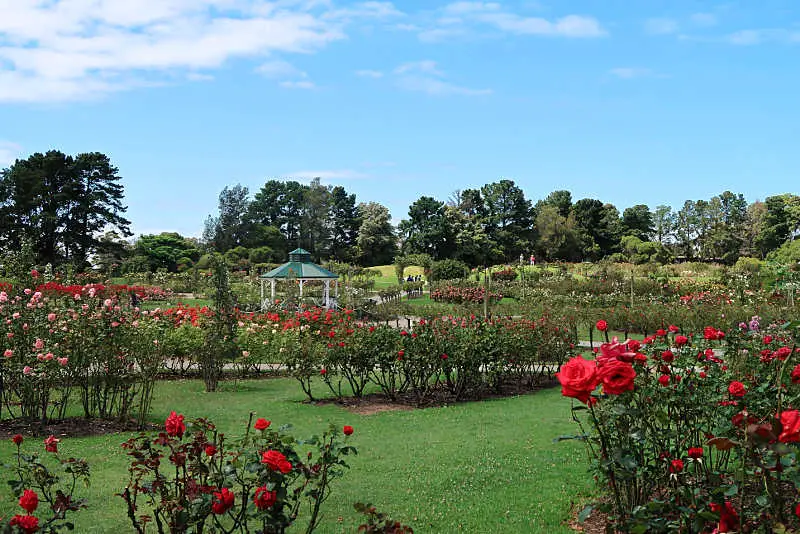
61, 205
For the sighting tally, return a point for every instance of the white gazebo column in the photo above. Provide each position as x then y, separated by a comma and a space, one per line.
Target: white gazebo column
336, 288
327, 296
301, 287
261, 283
272, 290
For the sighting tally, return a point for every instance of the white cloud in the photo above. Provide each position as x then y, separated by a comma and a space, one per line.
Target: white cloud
280, 69
763, 35
425, 67
9, 152
704, 19
60, 50
661, 26
458, 18
367, 73
425, 77
746, 37
297, 84
199, 77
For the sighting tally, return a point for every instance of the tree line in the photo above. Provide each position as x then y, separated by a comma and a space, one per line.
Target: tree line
69, 210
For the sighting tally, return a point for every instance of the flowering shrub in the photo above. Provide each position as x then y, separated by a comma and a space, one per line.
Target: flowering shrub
82, 346
693, 432
463, 294
45, 495
210, 482
463, 357
506, 275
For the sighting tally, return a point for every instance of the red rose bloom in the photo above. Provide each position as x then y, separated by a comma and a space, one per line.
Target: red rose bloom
223, 501
736, 389
663, 380
578, 378
797, 510
676, 466
681, 341
695, 452
602, 325
174, 425
18, 439
51, 444
211, 450
29, 501
790, 421
728, 518
348, 430
661, 332
668, 356
617, 377
615, 351
674, 329
767, 340
795, 375
264, 498
27, 523
633, 345
262, 424
276, 461
783, 353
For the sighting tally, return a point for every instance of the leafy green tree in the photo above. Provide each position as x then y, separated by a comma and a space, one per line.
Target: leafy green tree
164, 250
344, 225
728, 235
557, 237
561, 200
229, 228
686, 229
663, 223
315, 220
780, 222
596, 227
507, 219
427, 229
61, 205
377, 244
638, 221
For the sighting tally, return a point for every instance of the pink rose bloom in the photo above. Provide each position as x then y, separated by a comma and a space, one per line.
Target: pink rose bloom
39, 345
51, 317
27, 370
8, 353
63, 361
27, 291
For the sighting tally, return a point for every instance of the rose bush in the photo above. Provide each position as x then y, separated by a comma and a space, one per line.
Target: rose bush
190, 478
692, 432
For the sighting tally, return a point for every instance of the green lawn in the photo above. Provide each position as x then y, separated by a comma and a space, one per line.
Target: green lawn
481, 467
388, 276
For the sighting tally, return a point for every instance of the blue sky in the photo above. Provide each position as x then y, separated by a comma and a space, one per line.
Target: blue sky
628, 101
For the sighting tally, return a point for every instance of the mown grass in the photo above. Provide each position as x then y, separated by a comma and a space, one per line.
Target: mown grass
388, 277
479, 467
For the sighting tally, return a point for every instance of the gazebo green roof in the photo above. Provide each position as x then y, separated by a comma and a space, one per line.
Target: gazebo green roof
300, 266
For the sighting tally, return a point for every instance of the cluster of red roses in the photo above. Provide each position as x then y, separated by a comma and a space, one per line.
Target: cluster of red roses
683, 378
28, 523
612, 369
224, 498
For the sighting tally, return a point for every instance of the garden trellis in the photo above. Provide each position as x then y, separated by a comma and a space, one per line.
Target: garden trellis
300, 268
